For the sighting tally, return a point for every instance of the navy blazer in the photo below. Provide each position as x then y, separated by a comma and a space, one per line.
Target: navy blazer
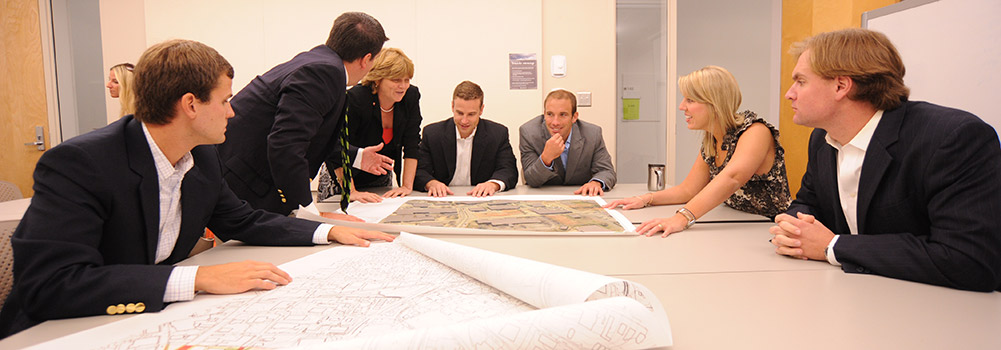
929, 199
88, 240
492, 155
287, 124
365, 129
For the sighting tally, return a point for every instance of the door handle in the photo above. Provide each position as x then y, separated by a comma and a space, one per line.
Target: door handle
39, 139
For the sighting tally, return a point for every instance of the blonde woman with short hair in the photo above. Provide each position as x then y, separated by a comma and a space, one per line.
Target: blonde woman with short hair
383, 109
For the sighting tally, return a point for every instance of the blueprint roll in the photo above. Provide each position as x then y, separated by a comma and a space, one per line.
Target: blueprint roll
626, 314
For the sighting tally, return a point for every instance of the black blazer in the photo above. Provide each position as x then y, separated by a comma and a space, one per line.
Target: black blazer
492, 156
287, 123
365, 129
89, 238
929, 199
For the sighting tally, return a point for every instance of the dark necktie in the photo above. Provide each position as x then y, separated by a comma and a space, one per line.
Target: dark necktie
345, 164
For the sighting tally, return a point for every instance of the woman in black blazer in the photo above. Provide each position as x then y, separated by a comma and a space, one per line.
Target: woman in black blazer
384, 108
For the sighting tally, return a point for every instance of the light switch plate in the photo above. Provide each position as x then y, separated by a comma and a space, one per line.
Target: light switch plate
583, 99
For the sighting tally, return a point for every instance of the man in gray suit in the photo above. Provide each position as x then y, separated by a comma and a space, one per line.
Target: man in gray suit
558, 149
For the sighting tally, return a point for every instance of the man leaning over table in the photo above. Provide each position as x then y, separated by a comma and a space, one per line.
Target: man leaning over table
897, 188
559, 149
115, 208
466, 150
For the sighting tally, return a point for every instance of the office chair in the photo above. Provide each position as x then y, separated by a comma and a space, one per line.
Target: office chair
6, 259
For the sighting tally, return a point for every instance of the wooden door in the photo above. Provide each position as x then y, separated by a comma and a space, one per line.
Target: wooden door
22, 91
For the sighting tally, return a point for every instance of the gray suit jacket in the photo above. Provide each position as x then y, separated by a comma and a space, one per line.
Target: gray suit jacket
587, 159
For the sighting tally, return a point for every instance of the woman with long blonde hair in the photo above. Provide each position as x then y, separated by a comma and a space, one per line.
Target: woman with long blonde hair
120, 86
742, 163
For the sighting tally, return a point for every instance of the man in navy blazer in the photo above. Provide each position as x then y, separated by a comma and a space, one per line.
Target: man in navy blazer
115, 208
466, 150
288, 120
897, 188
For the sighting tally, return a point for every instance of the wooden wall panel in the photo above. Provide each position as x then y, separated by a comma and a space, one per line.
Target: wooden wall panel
800, 20
22, 89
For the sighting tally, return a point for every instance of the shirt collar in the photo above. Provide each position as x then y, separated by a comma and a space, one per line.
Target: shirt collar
458, 136
862, 138
163, 167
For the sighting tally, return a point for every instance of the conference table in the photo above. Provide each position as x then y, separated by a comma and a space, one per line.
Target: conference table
720, 282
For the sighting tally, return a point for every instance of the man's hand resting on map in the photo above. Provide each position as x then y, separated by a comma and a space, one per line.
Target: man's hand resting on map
438, 189
591, 188
484, 189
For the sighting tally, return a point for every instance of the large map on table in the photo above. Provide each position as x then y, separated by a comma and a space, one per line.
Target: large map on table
514, 215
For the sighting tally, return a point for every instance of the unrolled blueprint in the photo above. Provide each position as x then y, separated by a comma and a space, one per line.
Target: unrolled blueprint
416, 292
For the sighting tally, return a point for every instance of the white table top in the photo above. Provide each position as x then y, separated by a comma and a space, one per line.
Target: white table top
722, 287
822, 309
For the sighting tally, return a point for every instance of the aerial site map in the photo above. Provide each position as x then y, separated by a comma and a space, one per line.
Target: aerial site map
515, 215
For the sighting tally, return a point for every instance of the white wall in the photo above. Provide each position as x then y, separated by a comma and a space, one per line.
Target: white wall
951, 51
123, 36
448, 40
739, 36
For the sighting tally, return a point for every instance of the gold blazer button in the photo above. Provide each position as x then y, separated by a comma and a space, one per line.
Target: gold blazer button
112, 310
140, 307
130, 308
120, 308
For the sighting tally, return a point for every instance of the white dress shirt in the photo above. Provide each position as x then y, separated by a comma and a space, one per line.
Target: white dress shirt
850, 158
464, 161
181, 283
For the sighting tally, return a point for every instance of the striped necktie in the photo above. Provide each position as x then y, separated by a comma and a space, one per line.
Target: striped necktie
345, 164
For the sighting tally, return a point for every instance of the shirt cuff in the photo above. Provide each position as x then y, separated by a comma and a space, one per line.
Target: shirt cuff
829, 253
550, 167
320, 235
500, 183
357, 162
180, 284
603, 187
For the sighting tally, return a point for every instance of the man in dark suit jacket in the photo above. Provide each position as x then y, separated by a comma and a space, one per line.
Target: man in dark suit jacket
902, 189
288, 120
480, 155
115, 208
577, 145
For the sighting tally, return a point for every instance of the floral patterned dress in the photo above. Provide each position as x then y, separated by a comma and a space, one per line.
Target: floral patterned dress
766, 194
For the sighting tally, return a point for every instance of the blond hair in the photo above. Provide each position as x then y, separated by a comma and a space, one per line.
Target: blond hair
123, 73
716, 88
867, 57
390, 63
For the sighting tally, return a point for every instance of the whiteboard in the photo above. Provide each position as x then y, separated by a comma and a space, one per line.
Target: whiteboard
951, 50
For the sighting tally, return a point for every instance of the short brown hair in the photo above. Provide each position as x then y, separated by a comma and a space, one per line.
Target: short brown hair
355, 34
867, 57
390, 63
468, 91
562, 94
168, 70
